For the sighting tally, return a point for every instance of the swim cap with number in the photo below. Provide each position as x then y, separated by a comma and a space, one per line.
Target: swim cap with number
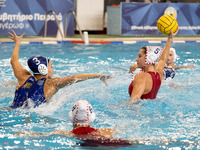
152, 55
38, 65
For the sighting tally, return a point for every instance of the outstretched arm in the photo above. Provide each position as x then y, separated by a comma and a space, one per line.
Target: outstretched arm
184, 67
109, 132
165, 54
49, 133
61, 82
106, 132
19, 72
30, 133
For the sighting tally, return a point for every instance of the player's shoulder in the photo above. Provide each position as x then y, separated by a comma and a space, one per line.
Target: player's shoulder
142, 75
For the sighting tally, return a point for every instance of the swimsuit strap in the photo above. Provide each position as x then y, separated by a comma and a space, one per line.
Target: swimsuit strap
84, 129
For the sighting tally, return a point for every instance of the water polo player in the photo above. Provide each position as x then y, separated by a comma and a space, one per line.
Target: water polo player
147, 83
82, 116
170, 66
33, 90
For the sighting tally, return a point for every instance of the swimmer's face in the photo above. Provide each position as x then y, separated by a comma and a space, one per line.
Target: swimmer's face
50, 70
170, 59
141, 58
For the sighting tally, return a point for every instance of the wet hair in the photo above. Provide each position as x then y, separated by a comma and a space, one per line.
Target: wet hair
145, 49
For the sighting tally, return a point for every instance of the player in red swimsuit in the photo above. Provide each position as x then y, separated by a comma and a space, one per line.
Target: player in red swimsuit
156, 85
82, 115
147, 83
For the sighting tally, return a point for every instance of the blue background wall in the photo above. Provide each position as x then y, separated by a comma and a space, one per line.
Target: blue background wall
141, 18
29, 16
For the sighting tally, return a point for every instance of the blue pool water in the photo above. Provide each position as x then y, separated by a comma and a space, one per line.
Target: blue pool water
171, 121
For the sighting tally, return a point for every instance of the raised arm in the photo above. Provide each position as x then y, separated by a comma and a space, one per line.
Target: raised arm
19, 72
165, 54
62, 82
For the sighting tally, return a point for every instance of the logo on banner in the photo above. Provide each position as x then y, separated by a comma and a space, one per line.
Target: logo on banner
171, 11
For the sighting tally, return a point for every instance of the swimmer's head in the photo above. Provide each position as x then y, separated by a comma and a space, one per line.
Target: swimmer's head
174, 52
82, 113
38, 65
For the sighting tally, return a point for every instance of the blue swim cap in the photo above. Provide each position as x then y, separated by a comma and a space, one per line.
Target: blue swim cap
38, 65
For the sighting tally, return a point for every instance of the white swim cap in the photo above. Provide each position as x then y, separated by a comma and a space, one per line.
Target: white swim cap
152, 54
82, 113
174, 51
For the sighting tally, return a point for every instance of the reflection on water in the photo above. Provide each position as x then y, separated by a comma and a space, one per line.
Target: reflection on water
170, 121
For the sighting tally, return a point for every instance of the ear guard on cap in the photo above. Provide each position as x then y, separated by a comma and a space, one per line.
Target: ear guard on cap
38, 65
82, 113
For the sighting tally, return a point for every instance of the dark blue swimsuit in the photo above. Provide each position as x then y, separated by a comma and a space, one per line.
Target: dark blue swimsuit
169, 73
30, 94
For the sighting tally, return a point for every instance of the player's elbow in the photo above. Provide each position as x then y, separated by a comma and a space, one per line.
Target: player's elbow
11, 61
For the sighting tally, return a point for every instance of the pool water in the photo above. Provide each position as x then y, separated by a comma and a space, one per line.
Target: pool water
171, 121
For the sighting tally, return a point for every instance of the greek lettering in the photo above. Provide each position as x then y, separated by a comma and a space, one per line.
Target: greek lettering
59, 16
11, 25
29, 17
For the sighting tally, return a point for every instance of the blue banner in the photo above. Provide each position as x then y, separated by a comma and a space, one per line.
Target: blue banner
141, 18
28, 16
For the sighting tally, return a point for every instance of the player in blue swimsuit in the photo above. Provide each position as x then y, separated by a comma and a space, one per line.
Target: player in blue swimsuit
169, 73
33, 90
170, 67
